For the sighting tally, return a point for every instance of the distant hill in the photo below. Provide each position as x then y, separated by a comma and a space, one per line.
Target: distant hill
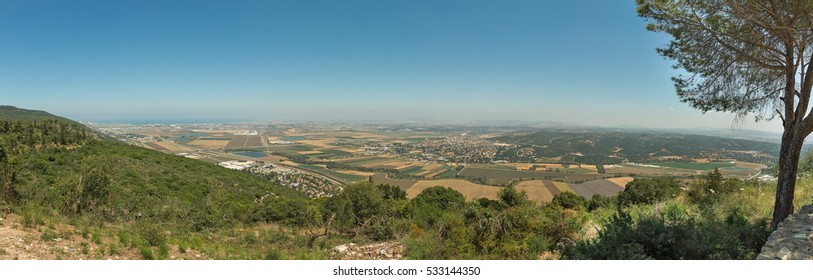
14, 113
612, 146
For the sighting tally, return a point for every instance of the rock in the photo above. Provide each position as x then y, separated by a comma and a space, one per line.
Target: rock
793, 240
340, 249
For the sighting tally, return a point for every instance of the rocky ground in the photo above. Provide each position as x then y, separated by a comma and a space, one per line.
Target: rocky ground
793, 240
390, 250
64, 242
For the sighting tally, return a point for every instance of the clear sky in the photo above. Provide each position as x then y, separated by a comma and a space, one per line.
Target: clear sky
588, 62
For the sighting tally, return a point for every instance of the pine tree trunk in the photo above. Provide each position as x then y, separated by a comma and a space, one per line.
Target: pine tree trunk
791, 147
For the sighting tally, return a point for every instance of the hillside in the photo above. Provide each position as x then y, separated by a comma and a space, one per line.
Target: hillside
14, 113
52, 173
603, 146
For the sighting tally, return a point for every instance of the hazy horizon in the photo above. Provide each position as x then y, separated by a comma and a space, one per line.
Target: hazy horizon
590, 63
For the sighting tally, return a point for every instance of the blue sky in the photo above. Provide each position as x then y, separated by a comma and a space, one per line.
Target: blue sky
587, 62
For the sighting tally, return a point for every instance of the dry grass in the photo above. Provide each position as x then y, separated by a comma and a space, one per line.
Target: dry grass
389, 163
436, 173
273, 158
429, 168
319, 143
210, 144
564, 187
354, 172
751, 165
650, 171
469, 190
543, 166
172, 147
309, 152
536, 191
621, 181
288, 162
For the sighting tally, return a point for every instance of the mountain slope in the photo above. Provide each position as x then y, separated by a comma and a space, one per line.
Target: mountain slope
49, 173
14, 113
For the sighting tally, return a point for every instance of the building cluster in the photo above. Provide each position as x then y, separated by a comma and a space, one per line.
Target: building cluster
311, 185
454, 149
237, 164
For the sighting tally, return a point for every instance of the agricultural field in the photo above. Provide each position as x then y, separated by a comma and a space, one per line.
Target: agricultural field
604, 187
576, 168
621, 181
168, 147
538, 190
333, 153
343, 177
322, 144
502, 176
154, 146
354, 172
707, 166
381, 178
210, 144
272, 158
379, 162
245, 141
650, 171
469, 190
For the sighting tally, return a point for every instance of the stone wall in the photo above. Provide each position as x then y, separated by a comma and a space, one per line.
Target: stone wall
793, 240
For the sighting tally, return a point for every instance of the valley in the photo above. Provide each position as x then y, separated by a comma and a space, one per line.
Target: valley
475, 160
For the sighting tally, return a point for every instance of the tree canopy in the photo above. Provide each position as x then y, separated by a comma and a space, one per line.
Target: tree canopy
744, 57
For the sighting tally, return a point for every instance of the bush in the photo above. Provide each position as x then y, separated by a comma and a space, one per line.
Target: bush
48, 235
569, 200
146, 252
153, 235
675, 235
648, 190
428, 206
598, 201
274, 254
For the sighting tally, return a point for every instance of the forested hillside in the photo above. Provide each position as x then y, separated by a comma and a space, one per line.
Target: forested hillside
608, 146
55, 169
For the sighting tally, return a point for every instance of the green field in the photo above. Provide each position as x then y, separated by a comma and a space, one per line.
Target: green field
365, 161
331, 154
695, 165
412, 170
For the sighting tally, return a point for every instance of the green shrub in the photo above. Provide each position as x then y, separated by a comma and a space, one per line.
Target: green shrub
152, 234
163, 252
569, 200
274, 254
113, 249
598, 201
48, 235
648, 190
146, 252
